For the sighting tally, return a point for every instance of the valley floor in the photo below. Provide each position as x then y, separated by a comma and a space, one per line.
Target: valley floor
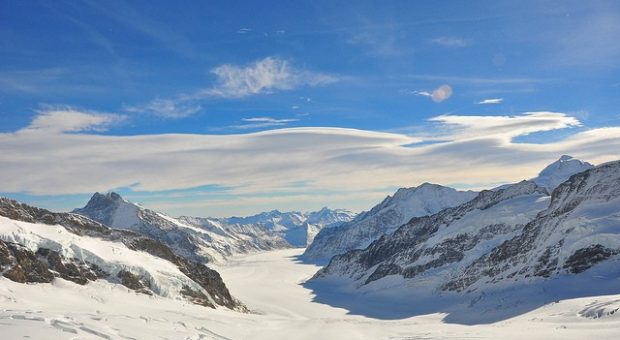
269, 284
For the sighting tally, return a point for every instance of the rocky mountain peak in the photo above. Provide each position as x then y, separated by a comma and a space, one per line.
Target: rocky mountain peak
110, 209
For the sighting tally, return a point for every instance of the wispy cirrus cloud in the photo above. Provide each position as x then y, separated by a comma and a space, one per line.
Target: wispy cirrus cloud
52, 120
264, 76
127, 15
451, 42
490, 101
167, 108
262, 122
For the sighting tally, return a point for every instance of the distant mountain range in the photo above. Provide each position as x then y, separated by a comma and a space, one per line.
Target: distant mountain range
212, 239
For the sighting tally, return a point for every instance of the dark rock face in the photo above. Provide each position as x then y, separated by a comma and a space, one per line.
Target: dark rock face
19, 264
585, 258
22, 265
196, 297
134, 282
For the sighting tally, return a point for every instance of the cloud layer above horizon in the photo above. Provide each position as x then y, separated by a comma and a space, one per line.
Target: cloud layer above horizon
56, 154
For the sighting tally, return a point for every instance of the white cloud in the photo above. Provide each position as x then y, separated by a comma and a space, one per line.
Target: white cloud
490, 101
504, 128
451, 42
263, 76
67, 119
168, 108
269, 120
438, 95
327, 159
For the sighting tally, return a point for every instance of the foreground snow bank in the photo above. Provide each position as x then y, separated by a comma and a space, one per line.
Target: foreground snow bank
270, 284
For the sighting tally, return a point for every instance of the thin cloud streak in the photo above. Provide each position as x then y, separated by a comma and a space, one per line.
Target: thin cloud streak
262, 122
490, 101
453, 42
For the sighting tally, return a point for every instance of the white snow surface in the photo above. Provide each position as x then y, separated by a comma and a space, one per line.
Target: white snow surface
269, 283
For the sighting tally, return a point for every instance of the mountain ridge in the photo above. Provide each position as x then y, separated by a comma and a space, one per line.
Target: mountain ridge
38, 246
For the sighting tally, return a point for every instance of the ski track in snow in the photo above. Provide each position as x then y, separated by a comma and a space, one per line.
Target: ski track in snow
270, 284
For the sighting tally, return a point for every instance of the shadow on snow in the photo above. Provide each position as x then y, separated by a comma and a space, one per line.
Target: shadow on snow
496, 303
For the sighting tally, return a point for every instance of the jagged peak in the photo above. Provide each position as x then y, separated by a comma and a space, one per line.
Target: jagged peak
105, 202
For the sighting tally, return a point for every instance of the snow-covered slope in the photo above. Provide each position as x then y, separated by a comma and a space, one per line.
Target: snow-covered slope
443, 241
38, 246
200, 239
559, 171
579, 229
502, 238
298, 228
384, 218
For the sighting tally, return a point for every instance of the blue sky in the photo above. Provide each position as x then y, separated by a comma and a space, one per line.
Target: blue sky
167, 102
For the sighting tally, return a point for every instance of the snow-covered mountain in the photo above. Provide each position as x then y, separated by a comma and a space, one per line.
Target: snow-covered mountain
501, 238
206, 240
39, 246
298, 228
453, 235
580, 229
384, 218
559, 171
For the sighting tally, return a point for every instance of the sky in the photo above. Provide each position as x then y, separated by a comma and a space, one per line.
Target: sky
221, 108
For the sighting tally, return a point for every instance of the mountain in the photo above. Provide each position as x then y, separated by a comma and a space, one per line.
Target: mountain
559, 171
384, 218
299, 229
205, 240
579, 230
213, 239
453, 235
39, 246
502, 238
